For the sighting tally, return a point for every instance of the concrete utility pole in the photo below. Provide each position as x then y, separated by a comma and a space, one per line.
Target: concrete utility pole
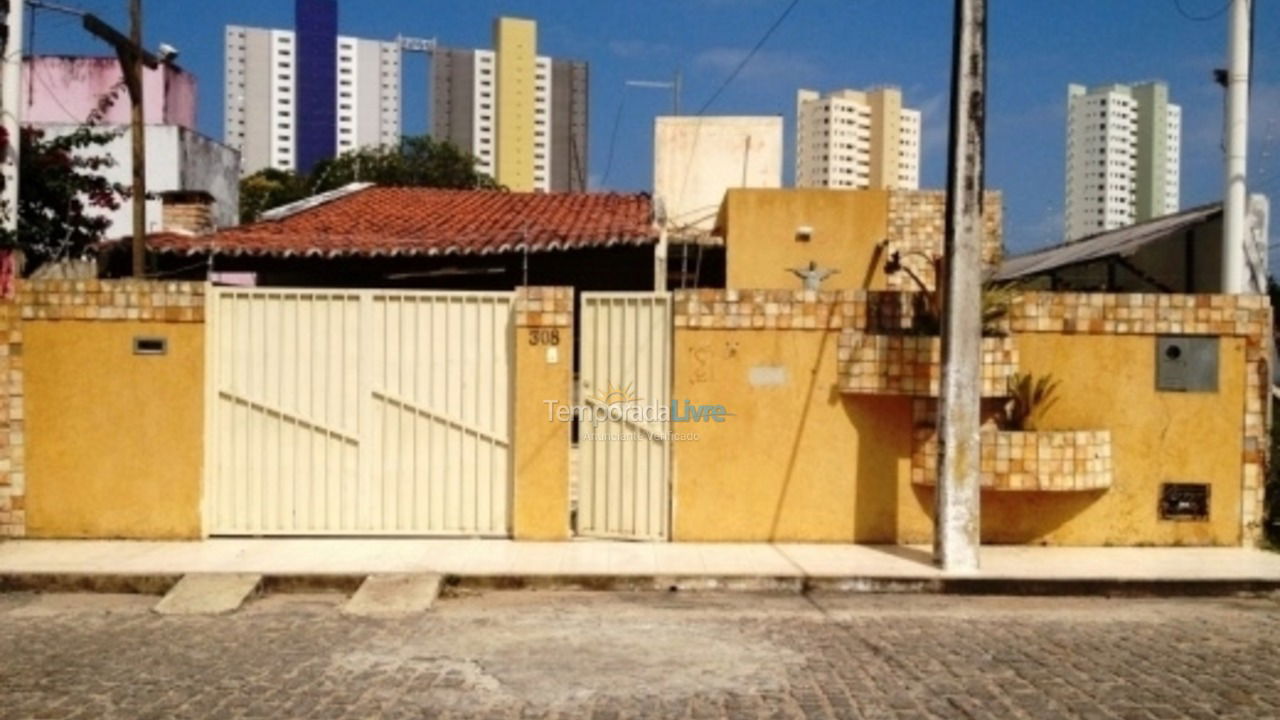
136, 119
1237, 130
956, 509
12, 106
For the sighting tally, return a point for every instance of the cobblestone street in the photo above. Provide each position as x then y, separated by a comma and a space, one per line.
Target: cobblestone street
534, 655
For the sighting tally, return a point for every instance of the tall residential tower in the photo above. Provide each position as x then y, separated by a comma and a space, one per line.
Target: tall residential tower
1123, 146
523, 115
268, 120
857, 139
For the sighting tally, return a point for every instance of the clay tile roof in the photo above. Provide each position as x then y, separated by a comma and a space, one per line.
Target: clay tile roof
426, 221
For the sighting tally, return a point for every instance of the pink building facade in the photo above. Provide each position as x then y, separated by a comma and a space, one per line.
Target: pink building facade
65, 89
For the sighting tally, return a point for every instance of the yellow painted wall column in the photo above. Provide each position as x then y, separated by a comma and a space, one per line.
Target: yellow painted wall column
543, 383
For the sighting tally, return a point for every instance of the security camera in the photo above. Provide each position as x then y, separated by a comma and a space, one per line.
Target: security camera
168, 53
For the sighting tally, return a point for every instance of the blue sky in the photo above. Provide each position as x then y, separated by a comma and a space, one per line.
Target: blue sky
1037, 47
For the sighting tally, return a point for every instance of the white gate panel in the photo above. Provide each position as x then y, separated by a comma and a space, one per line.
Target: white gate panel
625, 457
358, 412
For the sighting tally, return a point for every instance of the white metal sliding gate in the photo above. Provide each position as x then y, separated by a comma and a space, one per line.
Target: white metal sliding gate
358, 412
625, 376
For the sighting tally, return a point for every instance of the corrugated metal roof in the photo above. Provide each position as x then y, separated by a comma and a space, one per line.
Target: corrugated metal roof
1122, 242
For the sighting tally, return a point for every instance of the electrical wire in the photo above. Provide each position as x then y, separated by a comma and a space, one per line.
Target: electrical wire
747, 59
1177, 4
697, 130
613, 138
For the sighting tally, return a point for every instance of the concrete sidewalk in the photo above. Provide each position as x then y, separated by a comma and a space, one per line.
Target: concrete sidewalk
624, 564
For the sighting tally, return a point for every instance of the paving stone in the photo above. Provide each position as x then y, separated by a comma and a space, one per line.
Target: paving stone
394, 595
208, 594
580, 655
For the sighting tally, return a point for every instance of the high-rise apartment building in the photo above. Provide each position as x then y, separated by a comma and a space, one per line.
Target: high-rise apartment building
272, 124
316, 30
857, 139
523, 115
1123, 147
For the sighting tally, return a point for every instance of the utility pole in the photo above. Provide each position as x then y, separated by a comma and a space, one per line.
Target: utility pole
132, 56
134, 80
1237, 131
12, 106
957, 501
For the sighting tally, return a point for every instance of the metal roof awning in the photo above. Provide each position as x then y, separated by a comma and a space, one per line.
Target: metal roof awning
1123, 242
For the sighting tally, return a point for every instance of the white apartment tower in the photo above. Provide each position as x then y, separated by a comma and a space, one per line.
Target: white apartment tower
261, 95
857, 139
1123, 147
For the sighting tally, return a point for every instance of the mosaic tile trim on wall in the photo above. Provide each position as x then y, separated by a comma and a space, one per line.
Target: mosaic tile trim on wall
872, 364
1042, 461
111, 300
916, 227
544, 307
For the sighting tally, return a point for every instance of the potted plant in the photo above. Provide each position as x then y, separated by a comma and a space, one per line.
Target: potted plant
1019, 454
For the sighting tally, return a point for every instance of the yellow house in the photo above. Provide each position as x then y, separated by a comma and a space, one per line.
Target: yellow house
813, 455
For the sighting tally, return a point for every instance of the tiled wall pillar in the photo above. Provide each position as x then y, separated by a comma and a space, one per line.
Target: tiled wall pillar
12, 438
917, 219
543, 382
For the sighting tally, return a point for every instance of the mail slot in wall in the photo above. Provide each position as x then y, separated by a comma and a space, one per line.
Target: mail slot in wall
150, 345
1186, 364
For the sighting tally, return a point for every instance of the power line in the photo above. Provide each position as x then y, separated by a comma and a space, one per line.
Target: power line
613, 138
763, 39
1177, 4
697, 130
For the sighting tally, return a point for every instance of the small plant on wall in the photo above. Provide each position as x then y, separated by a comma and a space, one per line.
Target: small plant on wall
927, 310
1030, 397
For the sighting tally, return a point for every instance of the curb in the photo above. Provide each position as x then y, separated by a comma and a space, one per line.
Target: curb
161, 583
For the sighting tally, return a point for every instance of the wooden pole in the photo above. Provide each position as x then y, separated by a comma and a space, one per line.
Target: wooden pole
139, 130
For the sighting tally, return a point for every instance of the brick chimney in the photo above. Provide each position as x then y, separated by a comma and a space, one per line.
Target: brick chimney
189, 211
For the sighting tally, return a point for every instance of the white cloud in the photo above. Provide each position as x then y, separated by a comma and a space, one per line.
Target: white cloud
638, 49
767, 66
934, 112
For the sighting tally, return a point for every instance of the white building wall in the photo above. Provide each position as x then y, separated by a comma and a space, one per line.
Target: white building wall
233, 85
542, 125
348, 79
388, 93
1173, 165
177, 159
484, 135
283, 101
696, 159
909, 150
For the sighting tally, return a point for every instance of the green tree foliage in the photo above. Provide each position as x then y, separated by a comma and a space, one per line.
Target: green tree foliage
270, 188
416, 162
62, 195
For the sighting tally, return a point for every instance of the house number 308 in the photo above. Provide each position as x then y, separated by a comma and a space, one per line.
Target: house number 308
544, 336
